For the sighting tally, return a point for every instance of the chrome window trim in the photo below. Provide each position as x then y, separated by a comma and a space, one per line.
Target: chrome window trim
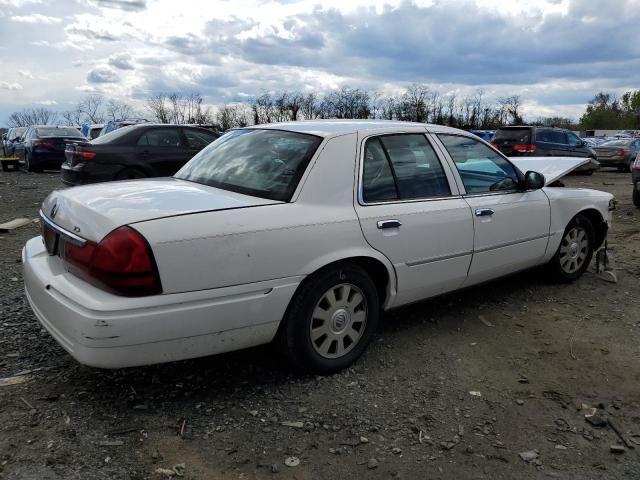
61, 231
443, 163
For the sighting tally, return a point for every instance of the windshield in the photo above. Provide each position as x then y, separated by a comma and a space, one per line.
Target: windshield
17, 132
58, 132
262, 163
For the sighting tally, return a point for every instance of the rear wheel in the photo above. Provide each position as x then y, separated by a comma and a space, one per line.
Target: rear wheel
331, 319
28, 162
130, 174
575, 250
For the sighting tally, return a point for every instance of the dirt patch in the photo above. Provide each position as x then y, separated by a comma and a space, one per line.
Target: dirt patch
455, 387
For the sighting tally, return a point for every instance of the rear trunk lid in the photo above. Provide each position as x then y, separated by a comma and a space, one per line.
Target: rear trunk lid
55, 144
92, 211
553, 168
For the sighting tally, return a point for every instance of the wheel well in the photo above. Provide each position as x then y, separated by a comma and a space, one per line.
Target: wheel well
599, 225
374, 268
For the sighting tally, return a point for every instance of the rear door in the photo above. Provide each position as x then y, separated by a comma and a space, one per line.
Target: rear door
410, 210
511, 226
162, 149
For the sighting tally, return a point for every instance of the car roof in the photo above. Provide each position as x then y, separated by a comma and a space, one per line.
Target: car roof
330, 128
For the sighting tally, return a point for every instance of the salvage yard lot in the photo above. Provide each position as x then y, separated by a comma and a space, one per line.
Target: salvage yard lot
532, 354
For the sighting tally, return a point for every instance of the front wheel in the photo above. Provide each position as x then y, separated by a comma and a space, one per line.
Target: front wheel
331, 319
575, 251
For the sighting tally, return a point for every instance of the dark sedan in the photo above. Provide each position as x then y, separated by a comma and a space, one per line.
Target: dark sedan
43, 146
136, 151
618, 153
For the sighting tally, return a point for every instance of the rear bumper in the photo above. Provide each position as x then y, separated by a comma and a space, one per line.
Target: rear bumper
85, 173
107, 331
46, 159
614, 162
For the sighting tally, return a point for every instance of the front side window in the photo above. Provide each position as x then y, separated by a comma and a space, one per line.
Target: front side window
481, 168
558, 137
260, 162
160, 137
574, 140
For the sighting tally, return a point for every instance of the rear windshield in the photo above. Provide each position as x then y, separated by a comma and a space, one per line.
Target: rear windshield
58, 132
261, 163
513, 135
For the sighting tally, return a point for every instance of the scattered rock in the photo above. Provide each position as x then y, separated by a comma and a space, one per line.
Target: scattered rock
596, 421
560, 447
292, 461
396, 451
475, 393
293, 424
617, 449
364, 440
529, 456
372, 463
520, 402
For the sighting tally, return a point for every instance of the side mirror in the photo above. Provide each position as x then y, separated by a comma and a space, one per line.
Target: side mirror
533, 180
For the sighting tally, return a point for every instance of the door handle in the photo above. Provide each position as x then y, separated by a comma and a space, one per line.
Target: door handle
484, 212
389, 224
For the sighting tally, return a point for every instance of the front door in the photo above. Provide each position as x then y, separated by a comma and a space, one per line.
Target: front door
410, 210
511, 226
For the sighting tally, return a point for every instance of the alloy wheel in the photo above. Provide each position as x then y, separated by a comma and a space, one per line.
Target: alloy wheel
574, 249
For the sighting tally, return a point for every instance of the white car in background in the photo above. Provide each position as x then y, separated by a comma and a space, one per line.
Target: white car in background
301, 231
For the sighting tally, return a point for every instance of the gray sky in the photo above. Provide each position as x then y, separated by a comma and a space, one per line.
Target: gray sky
555, 54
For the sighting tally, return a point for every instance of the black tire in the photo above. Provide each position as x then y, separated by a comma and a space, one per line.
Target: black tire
130, 174
561, 267
636, 196
5, 166
295, 334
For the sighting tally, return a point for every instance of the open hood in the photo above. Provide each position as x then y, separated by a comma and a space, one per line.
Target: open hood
553, 168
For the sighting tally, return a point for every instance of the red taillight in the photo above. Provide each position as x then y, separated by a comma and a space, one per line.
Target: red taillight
121, 263
85, 155
622, 152
495, 145
42, 144
522, 148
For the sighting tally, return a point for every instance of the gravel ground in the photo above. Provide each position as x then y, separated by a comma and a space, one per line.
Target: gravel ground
491, 382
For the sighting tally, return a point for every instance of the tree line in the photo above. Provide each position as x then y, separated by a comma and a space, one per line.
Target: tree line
416, 103
607, 111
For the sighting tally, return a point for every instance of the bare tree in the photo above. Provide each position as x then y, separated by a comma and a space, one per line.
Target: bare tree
116, 109
91, 107
511, 109
310, 106
72, 117
32, 116
157, 106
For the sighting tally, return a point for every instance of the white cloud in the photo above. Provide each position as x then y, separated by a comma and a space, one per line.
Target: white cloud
17, 3
36, 18
10, 86
25, 74
47, 102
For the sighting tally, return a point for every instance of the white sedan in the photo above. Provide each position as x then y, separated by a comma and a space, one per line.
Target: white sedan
301, 232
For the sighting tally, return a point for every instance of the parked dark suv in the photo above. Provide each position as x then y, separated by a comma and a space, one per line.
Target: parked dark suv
135, 151
533, 141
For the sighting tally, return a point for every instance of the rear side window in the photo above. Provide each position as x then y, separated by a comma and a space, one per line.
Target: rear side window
558, 137
402, 167
199, 140
160, 137
512, 136
58, 132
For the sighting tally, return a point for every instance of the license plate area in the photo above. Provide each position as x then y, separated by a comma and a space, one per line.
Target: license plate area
51, 240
